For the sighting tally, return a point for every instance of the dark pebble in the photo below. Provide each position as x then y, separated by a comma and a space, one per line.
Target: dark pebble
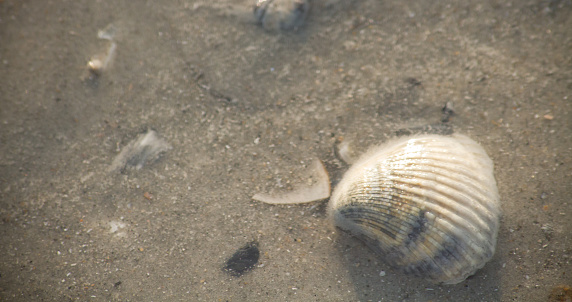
243, 260
448, 112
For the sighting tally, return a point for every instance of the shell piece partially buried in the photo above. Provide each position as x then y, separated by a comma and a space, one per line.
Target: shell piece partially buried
429, 205
276, 15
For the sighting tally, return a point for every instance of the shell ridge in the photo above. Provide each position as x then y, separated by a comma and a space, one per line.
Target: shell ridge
387, 203
390, 225
370, 215
418, 249
451, 229
478, 191
441, 205
448, 258
479, 236
429, 259
367, 218
455, 247
446, 200
458, 221
457, 166
465, 186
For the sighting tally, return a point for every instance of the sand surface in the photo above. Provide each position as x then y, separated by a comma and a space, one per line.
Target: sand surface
244, 111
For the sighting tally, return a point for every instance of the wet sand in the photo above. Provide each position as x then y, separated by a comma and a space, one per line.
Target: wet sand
244, 111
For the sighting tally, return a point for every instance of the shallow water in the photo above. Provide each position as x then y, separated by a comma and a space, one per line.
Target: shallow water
245, 110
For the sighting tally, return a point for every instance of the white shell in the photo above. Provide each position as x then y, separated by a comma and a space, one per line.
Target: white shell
429, 205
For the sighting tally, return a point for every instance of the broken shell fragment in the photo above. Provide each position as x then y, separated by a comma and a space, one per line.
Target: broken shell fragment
146, 148
303, 194
276, 15
345, 151
100, 62
429, 205
107, 33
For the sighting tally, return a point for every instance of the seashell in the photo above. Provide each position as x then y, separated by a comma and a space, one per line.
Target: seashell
276, 15
428, 204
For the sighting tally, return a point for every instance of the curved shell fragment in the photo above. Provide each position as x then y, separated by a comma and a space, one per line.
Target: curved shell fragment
303, 194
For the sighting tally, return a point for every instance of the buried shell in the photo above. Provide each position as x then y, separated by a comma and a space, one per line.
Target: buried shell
276, 15
429, 205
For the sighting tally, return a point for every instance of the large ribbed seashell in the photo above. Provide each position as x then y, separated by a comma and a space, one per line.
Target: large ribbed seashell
429, 205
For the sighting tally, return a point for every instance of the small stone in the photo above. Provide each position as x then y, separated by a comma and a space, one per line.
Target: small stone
276, 15
243, 260
448, 112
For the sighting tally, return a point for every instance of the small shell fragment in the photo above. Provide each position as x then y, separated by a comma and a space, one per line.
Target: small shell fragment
303, 194
100, 62
147, 147
276, 15
428, 205
345, 152
107, 33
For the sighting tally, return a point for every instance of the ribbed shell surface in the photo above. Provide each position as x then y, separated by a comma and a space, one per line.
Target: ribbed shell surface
429, 205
